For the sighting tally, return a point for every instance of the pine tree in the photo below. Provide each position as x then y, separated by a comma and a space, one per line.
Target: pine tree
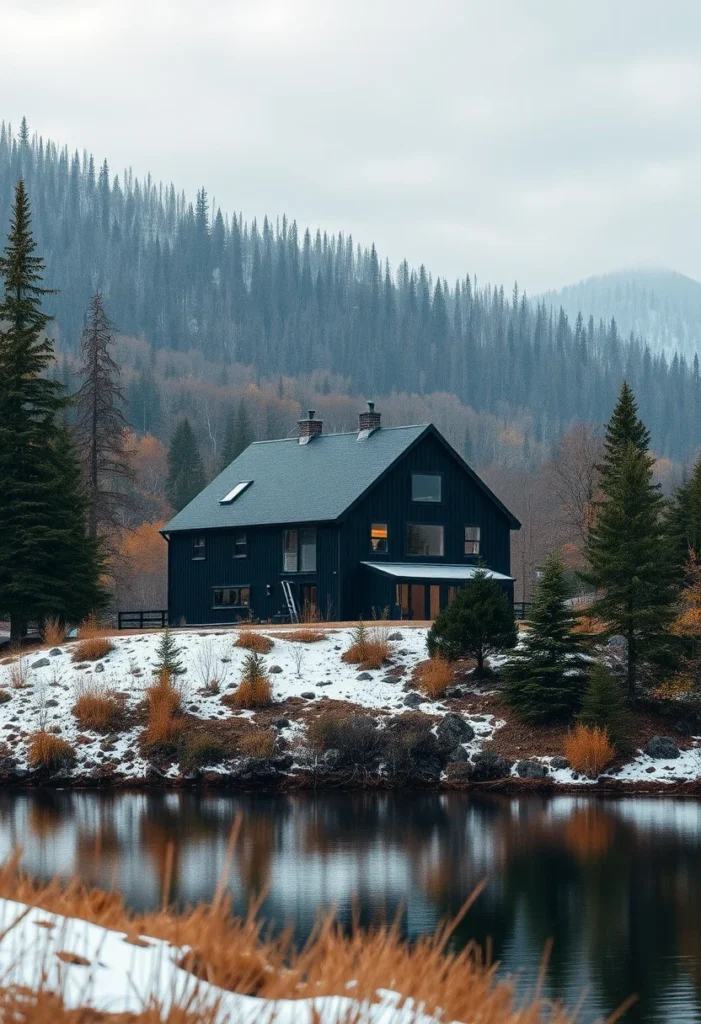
237, 435
185, 469
544, 680
604, 705
100, 428
629, 559
47, 565
167, 655
479, 621
684, 518
624, 428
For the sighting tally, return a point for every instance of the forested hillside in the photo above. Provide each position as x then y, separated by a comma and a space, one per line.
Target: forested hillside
659, 305
262, 302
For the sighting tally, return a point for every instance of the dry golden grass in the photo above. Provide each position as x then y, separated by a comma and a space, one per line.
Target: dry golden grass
91, 648
589, 750
19, 668
49, 751
370, 648
54, 632
98, 708
258, 743
322, 729
257, 642
255, 689
233, 953
302, 636
433, 677
164, 726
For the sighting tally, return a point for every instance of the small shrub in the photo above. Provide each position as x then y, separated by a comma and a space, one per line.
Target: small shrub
257, 642
163, 726
19, 668
255, 689
5, 696
411, 745
479, 621
167, 654
258, 743
54, 632
202, 748
604, 705
589, 750
92, 648
434, 676
356, 737
49, 751
369, 648
97, 708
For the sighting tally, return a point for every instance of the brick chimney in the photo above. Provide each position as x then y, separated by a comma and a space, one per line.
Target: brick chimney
369, 420
309, 428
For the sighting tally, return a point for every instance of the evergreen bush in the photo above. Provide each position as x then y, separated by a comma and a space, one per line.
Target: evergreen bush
479, 621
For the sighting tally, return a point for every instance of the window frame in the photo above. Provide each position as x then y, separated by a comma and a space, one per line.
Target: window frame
427, 501
377, 550
301, 545
237, 542
226, 606
477, 541
430, 526
199, 543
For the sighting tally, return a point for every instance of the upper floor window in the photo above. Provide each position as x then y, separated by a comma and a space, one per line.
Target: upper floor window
198, 548
378, 538
299, 551
426, 486
472, 540
240, 544
424, 539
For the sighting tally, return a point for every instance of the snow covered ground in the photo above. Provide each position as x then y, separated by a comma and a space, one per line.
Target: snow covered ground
91, 966
312, 671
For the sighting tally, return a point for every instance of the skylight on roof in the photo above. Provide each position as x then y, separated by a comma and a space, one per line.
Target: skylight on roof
234, 492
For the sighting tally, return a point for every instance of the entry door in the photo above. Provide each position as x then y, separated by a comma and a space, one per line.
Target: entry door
308, 606
418, 600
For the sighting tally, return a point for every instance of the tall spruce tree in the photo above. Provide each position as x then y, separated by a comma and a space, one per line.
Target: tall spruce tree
100, 428
47, 564
186, 476
544, 680
627, 551
684, 519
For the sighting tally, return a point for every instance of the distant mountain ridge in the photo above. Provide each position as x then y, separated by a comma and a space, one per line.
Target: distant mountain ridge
661, 307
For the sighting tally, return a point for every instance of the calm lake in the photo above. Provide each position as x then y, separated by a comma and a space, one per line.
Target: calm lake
615, 884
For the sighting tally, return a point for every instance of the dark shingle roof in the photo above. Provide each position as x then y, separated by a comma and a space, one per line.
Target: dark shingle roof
296, 483
305, 483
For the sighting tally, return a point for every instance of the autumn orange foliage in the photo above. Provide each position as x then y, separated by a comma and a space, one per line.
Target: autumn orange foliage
254, 690
252, 641
163, 702
589, 750
97, 708
434, 676
49, 751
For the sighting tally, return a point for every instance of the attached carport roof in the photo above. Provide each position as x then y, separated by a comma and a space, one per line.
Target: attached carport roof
424, 571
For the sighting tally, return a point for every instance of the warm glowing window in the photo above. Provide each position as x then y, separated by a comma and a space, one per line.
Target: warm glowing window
378, 538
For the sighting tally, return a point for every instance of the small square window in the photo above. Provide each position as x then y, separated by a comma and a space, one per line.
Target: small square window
472, 540
424, 539
240, 544
426, 487
231, 597
198, 549
378, 538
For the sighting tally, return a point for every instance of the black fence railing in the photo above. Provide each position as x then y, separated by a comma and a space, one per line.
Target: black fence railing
142, 620
521, 609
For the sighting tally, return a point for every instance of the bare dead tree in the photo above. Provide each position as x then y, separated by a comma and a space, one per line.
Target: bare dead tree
101, 430
575, 476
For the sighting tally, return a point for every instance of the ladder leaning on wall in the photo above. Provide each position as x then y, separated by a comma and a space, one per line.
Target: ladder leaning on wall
290, 601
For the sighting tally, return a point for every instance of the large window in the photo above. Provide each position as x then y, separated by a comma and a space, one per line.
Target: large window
378, 538
472, 540
299, 552
424, 539
426, 487
198, 548
231, 597
240, 544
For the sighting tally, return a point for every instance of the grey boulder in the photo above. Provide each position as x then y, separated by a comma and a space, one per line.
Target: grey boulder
41, 663
531, 770
559, 762
488, 765
662, 747
454, 729
413, 699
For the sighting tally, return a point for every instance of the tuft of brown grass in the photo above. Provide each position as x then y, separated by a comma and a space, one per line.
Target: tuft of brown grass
19, 668
97, 708
49, 751
589, 750
302, 636
258, 743
255, 689
164, 724
257, 642
239, 955
370, 648
434, 676
92, 648
54, 632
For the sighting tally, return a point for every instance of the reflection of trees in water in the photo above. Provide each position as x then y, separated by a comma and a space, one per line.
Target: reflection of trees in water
620, 897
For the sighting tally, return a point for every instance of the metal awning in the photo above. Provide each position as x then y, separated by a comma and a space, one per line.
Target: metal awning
425, 572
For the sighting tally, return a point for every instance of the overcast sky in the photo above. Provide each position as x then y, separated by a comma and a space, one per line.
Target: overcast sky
537, 140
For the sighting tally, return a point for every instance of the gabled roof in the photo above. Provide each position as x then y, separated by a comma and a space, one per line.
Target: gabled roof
304, 483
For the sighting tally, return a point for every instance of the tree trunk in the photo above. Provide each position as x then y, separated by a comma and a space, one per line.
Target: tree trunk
18, 628
632, 666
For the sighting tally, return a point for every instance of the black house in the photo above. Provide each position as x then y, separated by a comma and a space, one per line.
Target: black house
385, 519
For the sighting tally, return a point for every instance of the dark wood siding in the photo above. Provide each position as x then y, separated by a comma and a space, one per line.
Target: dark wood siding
191, 582
389, 501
